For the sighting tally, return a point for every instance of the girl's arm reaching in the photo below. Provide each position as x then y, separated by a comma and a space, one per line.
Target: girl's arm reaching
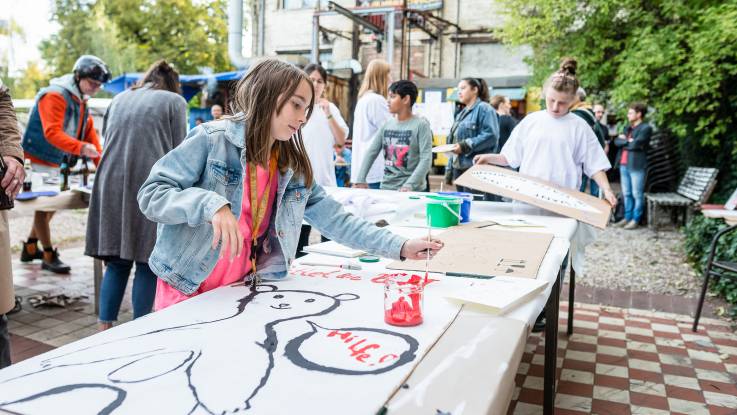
600, 178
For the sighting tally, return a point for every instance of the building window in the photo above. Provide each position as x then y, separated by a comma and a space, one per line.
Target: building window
301, 57
299, 4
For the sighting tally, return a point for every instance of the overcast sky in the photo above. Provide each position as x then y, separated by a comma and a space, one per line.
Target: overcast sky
34, 17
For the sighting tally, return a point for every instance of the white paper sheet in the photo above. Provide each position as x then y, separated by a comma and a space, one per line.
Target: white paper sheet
314, 343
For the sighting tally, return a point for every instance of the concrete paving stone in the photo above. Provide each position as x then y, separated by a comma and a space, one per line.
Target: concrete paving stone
24, 330
49, 311
86, 320
48, 322
26, 317
46, 334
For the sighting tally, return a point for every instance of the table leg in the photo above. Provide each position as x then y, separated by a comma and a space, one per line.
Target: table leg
97, 267
551, 347
571, 298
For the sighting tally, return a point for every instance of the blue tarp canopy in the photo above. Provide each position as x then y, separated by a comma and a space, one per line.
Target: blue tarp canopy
191, 84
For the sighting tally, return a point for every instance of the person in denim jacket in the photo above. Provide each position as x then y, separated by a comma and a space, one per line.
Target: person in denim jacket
475, 130
229, 200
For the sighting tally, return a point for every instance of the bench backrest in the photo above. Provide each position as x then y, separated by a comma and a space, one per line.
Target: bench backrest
698, 183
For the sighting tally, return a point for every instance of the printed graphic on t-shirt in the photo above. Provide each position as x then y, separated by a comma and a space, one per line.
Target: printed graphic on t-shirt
396, 147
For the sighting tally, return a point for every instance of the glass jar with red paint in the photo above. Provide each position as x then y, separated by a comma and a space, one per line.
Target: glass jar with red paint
403, 297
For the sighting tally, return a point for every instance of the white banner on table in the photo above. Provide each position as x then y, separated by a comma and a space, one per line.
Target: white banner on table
313, 343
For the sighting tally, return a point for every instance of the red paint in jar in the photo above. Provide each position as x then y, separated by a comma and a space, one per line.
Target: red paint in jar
403, 301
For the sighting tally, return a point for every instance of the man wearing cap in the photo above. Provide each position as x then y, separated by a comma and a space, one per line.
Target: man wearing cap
60, 129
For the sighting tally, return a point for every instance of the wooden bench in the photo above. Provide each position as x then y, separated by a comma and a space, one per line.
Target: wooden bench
693, 190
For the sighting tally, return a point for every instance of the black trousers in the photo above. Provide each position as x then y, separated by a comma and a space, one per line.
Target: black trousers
4, 342
304, 240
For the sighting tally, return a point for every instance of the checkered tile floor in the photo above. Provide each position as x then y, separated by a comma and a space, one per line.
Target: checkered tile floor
627, 361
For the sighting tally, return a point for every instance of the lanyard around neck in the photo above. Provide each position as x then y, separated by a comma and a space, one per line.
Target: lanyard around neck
258, 206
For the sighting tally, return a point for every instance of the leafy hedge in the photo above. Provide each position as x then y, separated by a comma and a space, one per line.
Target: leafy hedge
699, 233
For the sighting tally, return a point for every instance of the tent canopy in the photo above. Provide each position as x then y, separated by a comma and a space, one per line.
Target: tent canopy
191, 84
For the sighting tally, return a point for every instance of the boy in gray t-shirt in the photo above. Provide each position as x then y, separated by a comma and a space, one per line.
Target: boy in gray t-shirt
406, 141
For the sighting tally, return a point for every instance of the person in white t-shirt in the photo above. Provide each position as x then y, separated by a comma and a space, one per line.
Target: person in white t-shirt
372, 111
323, 130
553, 144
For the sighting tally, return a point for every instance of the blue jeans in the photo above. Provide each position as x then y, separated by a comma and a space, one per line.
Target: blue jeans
374, 185
594, 187
113, 288
633, 192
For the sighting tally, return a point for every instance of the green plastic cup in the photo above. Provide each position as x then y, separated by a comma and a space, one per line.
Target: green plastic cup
443, 211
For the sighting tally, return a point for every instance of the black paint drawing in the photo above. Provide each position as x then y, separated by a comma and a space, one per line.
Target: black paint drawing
206, 367
369, 351
509, 266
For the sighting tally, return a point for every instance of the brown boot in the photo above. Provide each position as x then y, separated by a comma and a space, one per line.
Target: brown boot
52, 263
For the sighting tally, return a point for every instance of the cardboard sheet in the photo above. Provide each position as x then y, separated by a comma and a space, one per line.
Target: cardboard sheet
540, 193
485, 252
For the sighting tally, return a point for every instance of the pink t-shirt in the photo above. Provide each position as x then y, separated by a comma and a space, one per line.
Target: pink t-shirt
225, 271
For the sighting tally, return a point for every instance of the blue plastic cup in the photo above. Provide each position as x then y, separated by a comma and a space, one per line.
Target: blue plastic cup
467, 198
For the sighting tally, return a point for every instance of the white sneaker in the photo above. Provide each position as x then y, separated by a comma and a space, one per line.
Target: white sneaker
631, 225
619, 224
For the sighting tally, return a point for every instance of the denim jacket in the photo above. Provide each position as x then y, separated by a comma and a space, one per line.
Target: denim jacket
188, 185
477, 131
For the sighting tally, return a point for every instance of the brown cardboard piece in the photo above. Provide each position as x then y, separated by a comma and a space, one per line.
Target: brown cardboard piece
485, 252
537, 192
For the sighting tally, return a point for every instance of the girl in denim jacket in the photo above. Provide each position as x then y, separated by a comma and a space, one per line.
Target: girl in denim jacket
229, 201
475, 129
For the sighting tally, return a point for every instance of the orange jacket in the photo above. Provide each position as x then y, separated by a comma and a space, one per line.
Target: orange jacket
51, 108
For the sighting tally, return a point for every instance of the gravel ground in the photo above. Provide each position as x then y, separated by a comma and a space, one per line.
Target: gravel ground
640, 260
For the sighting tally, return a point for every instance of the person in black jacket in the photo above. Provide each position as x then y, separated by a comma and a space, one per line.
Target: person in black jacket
632, 162
506, 122
583, 110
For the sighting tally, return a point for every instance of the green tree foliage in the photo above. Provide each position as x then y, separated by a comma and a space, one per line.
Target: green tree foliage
129, 35
189, 34
677, 56
29, 81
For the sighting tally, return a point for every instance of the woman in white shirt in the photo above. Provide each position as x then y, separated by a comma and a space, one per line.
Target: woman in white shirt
323, 130
372, 111
553, 144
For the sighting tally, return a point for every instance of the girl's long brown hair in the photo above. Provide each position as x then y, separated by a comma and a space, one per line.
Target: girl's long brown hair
258, 96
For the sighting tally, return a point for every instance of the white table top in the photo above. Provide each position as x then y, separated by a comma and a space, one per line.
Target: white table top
471, 348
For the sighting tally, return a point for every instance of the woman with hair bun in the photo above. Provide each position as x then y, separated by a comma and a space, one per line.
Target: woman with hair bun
553, 144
